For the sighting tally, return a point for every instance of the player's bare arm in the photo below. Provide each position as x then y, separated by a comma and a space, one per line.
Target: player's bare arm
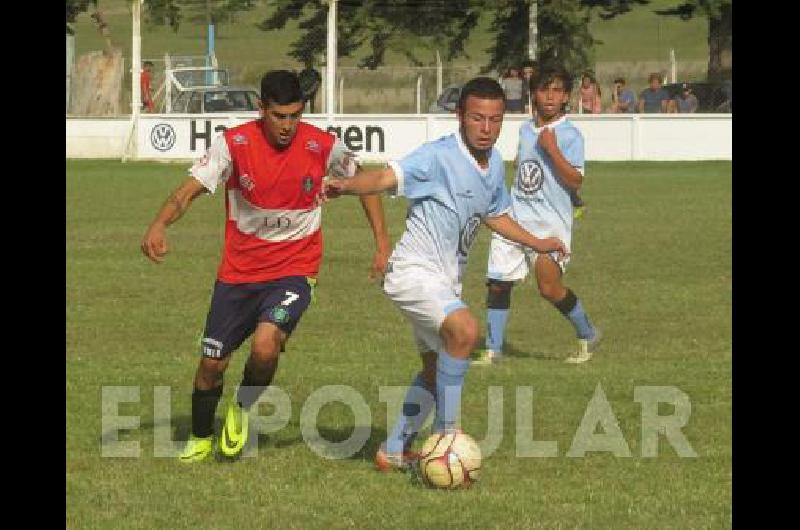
568, 174
154, 243
365, 182
511, 230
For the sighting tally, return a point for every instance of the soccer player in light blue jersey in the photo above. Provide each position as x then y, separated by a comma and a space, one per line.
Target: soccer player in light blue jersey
453, 184
550, 165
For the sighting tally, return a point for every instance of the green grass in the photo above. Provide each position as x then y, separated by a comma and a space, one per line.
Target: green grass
652, 263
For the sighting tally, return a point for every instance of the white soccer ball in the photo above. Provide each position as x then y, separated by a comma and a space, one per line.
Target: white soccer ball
450, 460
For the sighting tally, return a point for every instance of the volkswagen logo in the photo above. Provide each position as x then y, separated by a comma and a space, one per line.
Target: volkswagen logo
162, 137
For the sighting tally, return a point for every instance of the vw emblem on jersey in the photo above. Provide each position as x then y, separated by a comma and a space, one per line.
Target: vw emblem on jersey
308, 183
240, 139
530, 176
312, 146
468, 234
163, 136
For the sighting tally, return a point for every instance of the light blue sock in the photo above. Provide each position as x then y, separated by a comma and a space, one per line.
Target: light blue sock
580, 321
449, 380
496, 328
417, 407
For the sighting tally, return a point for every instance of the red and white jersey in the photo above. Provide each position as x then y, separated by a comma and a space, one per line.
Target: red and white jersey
273, 223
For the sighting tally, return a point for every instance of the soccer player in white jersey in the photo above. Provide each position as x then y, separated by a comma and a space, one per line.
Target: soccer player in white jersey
550, 165
453, 184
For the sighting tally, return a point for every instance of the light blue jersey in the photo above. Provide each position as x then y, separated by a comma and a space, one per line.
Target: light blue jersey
449, 194
540, 200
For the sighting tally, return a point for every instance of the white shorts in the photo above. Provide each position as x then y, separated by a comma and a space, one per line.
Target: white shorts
425, 297
510, 262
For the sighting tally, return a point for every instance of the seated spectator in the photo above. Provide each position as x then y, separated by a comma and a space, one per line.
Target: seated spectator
590, 95
685, 102
622, 98
654, 99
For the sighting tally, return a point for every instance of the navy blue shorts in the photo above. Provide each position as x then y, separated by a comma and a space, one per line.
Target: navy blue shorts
237, 308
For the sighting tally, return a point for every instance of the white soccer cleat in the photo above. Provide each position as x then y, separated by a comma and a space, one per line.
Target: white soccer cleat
586, 347
488, 357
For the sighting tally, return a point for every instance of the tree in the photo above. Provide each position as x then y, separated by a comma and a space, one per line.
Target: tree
563, 29
407, 27
172, 12
720, 32
75, 8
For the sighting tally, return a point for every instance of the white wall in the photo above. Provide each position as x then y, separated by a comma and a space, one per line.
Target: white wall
380, 137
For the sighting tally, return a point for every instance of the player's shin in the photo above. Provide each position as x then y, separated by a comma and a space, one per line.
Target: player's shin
570, 306
255, 381
498, 302
449, 381
417, 406
204, 406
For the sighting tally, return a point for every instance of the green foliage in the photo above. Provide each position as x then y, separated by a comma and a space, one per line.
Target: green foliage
74, 8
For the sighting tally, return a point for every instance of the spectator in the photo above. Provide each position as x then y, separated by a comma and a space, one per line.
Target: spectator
590, 95
685, 102
512, 86
529, 68
654, 99
622, 98
147, 91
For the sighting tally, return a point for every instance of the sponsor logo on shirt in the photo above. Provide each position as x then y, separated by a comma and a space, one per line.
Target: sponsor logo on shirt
246, 182
530, 176
312, 146
468, 233
239, 139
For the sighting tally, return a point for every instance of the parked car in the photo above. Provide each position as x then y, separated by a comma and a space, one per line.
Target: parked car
447, 100
216, 99
712, 96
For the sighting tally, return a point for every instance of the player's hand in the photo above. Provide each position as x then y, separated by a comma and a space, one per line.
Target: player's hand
553, 244
154, 244
547, 140
379, 262
335, 188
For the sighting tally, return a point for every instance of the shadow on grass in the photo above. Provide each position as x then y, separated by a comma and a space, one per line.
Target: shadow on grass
512, 350
363, 445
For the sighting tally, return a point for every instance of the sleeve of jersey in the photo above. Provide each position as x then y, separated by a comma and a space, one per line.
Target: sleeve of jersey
501, 200
342, 163
215, 166
573, 152
414, 174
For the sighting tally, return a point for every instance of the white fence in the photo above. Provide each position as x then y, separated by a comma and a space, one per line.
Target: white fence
381, 137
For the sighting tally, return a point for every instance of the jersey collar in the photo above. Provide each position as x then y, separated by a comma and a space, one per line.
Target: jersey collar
552, 125
468, 155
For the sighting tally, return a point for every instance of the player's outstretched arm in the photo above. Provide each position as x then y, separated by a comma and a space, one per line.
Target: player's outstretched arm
510, 229
154, 243
568, 174
365, 182
373, 209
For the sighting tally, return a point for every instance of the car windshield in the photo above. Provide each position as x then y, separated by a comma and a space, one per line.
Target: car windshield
230, 100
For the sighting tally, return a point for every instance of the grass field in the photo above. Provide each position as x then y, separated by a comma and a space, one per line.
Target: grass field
652, 263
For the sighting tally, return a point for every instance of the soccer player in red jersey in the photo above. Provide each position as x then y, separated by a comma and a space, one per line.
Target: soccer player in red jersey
272, 170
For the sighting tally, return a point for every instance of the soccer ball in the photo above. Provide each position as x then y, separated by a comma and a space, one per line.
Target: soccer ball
450, 460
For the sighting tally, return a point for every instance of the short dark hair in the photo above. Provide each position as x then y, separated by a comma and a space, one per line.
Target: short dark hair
547, 75
147, 63
530, 63
481, 87
280, 87
620, 80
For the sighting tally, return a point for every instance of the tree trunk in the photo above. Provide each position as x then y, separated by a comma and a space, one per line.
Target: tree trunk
720, 44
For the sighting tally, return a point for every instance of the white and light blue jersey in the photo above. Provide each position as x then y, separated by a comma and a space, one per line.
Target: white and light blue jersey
540, 201
449, 194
